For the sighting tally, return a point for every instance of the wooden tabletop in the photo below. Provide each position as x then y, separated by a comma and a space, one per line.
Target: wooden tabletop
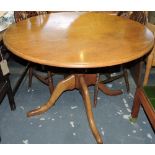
78, 40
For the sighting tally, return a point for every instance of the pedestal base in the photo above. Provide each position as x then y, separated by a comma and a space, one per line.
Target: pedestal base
80, 82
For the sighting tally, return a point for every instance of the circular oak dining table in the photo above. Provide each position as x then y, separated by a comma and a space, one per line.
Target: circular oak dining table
78, 40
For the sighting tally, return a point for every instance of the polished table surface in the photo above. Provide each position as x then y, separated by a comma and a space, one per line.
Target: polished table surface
78, 40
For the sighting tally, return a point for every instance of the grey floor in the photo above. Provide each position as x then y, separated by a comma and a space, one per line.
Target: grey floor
67, 122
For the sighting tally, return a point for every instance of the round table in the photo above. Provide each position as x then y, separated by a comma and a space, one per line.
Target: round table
78, 40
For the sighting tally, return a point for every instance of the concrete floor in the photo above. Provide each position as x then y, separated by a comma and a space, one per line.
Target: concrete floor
67, 122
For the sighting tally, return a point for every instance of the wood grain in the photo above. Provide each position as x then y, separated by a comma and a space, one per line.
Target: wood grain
78, 39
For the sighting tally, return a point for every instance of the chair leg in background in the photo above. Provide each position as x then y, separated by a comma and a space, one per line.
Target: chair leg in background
125, 72
96, 89
135, 107
148, 68
50, 82
30, 77
10, 96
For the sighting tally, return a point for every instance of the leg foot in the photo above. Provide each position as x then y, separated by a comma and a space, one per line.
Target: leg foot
107, 91
133, 120
66, 84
